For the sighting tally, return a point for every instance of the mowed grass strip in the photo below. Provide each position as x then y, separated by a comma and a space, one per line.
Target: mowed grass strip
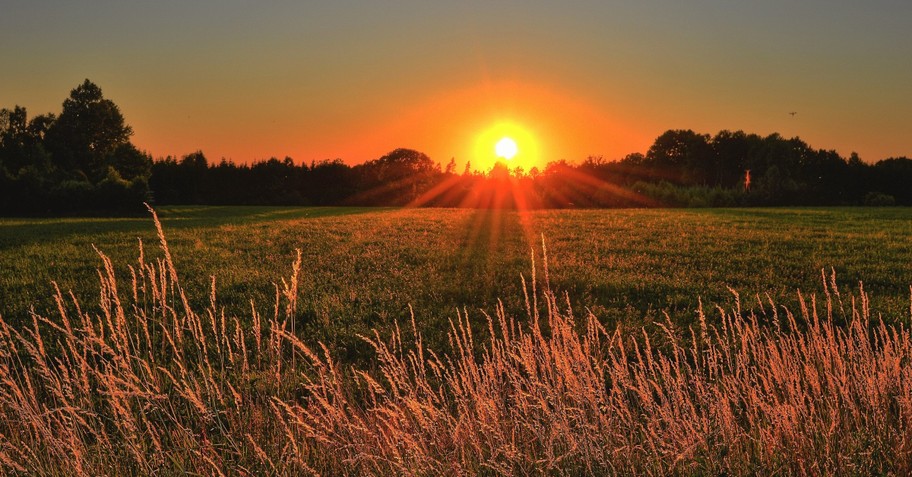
361, 268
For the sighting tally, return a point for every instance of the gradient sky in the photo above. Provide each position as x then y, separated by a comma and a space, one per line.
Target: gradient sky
250, 80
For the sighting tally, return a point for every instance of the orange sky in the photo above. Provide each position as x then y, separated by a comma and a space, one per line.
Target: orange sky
465, 124
354, 80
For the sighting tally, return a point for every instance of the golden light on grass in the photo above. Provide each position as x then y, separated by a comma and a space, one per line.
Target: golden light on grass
153, 385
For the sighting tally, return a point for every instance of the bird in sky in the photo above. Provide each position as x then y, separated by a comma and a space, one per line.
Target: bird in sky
793, 113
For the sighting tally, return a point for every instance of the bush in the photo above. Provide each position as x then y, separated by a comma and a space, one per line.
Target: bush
878, 199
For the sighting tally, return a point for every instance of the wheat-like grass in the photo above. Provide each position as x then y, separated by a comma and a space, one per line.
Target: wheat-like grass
147, 385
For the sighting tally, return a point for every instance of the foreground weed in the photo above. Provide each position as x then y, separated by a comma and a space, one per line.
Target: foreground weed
146, 384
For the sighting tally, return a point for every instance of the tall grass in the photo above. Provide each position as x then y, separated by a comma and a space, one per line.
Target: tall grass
148, 385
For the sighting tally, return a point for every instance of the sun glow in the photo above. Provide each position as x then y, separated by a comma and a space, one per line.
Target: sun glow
506, 148
506, 141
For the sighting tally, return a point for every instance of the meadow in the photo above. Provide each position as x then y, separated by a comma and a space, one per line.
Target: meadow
362, 268
458, 342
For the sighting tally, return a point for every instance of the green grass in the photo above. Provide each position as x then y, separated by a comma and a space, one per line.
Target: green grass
363, 267
149, 386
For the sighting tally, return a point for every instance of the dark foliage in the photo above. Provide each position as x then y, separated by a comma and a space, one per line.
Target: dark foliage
681, 169
82, 161
77, 163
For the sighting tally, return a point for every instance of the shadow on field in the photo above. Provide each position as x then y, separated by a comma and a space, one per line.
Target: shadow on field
18, 232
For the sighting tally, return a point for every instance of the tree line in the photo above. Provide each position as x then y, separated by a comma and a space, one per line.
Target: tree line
681, 169
82, 161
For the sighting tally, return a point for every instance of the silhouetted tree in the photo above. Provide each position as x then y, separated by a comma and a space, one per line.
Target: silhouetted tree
397, 178
83, 160
893, 177
88, 132
736, 153
26, 170
451, 167
79, 161
329, 182
683, 157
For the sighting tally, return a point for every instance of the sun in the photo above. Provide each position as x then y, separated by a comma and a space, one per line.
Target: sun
506, 140
506, 148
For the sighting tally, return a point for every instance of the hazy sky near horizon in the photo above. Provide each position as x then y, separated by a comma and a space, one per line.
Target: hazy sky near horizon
354, 80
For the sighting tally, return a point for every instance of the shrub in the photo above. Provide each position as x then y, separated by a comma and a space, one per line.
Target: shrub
879, 199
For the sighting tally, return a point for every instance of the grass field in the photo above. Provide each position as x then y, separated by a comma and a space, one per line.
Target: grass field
137, 380
363, 267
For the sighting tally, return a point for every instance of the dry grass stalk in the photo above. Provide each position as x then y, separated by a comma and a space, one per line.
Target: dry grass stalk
153, 387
